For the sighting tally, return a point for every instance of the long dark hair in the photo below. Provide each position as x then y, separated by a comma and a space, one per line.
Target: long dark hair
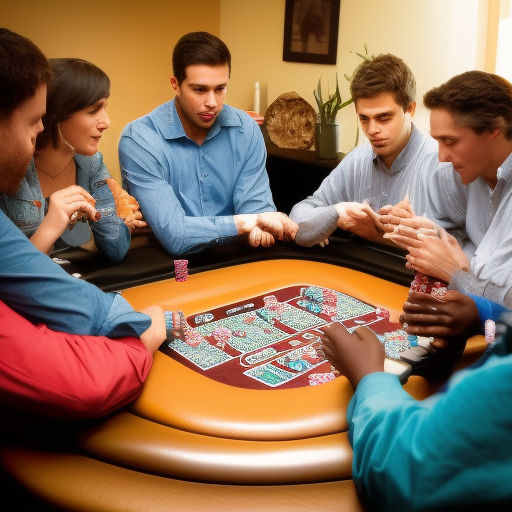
76, 84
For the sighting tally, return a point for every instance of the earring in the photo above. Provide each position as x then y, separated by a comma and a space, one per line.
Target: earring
64, 140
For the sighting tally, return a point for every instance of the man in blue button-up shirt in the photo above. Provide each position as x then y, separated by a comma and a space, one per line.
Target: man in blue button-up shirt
196, 165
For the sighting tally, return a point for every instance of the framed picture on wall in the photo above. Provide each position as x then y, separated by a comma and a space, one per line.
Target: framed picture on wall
311, 31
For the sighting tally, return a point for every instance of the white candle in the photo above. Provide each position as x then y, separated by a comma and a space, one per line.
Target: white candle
256, 106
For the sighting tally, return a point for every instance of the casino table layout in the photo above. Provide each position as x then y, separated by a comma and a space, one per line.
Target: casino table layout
240, 410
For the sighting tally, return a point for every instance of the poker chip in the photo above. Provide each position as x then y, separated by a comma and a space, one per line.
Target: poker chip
319, 300
316, 379
180, 270
427, 284
490, 331
273, 305
382, 313
192, 337
221, 335
330, 296
203, 318
313, 292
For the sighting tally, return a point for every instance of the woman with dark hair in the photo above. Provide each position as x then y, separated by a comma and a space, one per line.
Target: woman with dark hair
67, 181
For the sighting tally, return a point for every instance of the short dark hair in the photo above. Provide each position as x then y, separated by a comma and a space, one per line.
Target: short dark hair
76, 84
198, 48
478, 100
23, 69
384, 73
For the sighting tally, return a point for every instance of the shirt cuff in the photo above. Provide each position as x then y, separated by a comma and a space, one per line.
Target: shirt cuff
318, 228
122, 320
370, 385
466, 282
487, 310
225, 226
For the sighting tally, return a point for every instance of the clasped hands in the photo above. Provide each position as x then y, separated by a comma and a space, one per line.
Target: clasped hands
72, 204
361, 220
265, 228
434, 252
431, 249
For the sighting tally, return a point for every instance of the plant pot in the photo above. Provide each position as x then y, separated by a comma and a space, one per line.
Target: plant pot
327, 140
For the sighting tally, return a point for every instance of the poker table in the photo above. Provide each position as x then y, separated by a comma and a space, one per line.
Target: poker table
209, 437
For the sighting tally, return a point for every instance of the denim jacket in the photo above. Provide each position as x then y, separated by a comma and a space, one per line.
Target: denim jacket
28, 208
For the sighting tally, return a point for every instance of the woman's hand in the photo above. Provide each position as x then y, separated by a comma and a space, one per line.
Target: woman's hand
66, 206
65, 202
133, 221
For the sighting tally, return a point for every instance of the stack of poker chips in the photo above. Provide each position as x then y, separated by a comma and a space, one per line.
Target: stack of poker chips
428, 284
178, 329
490, 331
181, 270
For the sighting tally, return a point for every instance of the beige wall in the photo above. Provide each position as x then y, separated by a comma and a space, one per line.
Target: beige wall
133, 41
436, 38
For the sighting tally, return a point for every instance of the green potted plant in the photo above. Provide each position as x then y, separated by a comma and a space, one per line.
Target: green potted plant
326, 129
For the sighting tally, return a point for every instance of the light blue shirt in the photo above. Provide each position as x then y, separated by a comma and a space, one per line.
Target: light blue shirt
362, 177
188, 193
488, 214
452, 449
34, 285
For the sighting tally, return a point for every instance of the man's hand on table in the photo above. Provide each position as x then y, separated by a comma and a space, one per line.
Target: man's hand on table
353, 355
156, 334
259, 237
447, 317
264, 228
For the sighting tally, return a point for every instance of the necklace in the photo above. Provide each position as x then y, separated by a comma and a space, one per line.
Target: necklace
57, 175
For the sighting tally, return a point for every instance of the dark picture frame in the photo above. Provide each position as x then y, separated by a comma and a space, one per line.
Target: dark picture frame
311, 31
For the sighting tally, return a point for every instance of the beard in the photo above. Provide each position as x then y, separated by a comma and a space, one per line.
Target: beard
13, 167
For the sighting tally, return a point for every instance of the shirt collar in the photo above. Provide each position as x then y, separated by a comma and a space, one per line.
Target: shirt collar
505, 169
170, 125
406, 155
